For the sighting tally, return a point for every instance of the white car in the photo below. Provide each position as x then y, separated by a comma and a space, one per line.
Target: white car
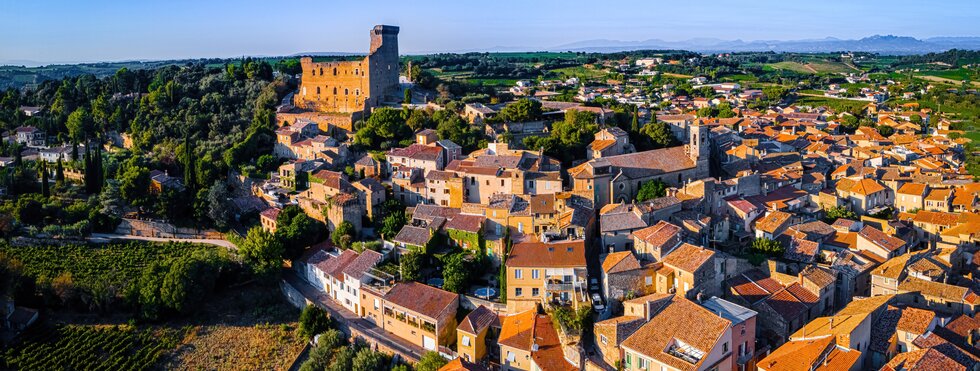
597, 302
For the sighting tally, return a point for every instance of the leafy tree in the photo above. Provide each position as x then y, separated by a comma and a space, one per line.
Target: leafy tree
312, 321
525, 109
298, 231
369, 360
263, 252
456, 273
886, 130
430, 361
79, 124
218, 209
651, 189
343, 236
410, 266
134, 185
407, 97
383, 128
768, 247
188, 280
392, 224
342, 360
839, 212
658, 135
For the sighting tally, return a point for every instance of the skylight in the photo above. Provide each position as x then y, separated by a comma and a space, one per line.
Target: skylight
685, 351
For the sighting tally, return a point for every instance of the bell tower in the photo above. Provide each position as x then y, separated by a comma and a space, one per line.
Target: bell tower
698, 147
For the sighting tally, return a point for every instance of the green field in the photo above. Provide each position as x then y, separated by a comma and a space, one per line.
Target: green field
834, 103
581, 72
811, 67
958, 74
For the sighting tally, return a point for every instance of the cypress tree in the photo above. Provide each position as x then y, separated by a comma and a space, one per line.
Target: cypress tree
189, 164
59, 175
99, 176
88, 170
636, 121
74, 151
44, 179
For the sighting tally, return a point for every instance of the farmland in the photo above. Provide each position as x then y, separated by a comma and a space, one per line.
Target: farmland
812, 67
109, 264
86, 347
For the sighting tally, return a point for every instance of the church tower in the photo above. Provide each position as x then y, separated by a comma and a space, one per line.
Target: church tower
698, 148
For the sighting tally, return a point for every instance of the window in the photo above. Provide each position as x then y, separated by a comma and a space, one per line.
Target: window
466, 340
642, 363
334, 71
518, 274
535, 274
724, 347
535, 291
602, 338
510, 356
520, 227
629, 359
318, 90
346, 91
649, 280
518, 291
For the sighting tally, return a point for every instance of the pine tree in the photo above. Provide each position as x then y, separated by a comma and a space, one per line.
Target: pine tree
44, 180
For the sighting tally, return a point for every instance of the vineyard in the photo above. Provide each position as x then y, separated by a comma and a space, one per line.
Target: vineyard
114, 263
77, 347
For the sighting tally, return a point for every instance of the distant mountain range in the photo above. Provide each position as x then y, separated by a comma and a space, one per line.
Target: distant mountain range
888, 44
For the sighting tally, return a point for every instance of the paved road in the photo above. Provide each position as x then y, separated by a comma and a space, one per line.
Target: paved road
349, 319
107, 237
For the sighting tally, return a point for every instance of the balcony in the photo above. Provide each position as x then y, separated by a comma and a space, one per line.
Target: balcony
559, 286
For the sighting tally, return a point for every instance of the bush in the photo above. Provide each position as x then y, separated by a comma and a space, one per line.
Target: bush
312, 321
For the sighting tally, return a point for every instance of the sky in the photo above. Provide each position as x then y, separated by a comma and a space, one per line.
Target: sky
72, 31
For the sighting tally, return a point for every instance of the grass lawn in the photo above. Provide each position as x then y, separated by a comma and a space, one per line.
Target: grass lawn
958, 74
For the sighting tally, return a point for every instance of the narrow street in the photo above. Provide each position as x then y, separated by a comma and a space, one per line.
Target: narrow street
346, 319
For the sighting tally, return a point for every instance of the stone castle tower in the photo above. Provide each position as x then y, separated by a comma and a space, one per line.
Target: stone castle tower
353, 87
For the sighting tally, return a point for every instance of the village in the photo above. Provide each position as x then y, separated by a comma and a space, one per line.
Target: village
724, 226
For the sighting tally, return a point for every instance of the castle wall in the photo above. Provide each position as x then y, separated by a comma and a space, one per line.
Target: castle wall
352, 86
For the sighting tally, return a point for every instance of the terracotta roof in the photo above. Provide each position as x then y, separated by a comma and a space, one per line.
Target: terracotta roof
681, 321
809, 355
936, 217
650, 163
658, 234
565, 254
271, 213
934, 289
415, 236
866, 187
417, 152
601, 144
367, 259
882, 239
939, 194
772, 221
478, 320
754, 286
915, 320
517, 330
791, 302
928, 359
466, 222
459, 364
335, 266
549, 355
913, 189
422, 299
620, 262
689, 258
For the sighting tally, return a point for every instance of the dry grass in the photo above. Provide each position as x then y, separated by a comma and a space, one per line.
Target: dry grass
247, 328
221, 347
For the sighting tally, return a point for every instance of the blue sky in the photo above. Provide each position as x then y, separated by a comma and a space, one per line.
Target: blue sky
99, 30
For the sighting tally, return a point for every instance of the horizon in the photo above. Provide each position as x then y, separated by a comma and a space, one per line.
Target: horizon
99, 31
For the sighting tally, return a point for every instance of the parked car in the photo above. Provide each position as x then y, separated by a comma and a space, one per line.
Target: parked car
597, 302
593, 285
